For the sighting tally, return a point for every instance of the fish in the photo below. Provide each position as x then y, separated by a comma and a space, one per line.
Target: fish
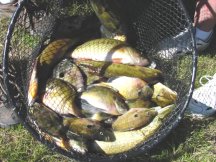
43, 65
89, 76
61, 98
130, 87
78, 144
109, 50
125, 141
87, 128
97, 116
139, 103
103, 99
108, 70
46, 119
69, 72
133, 119
111, 19
163, 95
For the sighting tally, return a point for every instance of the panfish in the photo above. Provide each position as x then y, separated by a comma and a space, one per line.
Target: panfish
109, 50
130, 87
133, 119
163, 95
125, 141
103, 99
61, 98
46, 119
108, 70
43, 65
87, 128
69, 72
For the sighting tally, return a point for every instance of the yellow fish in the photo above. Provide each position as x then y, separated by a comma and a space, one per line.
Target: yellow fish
125, 141
133, 119
61, 98
163, 95
109, 50
44, 64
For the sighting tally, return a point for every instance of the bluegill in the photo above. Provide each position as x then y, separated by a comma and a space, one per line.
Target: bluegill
110, 18
61, 98
108, 70
103, 99
43, 65
46, 119
69, 72
125, 141
133, 119
87, 128
130, 87
109, 50
163, 95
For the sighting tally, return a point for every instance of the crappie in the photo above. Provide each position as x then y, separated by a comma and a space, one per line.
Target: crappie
46, 119
133, 119
130, 87
61, 98
87, 128
43, 65
140, 103
69, 72
103, 99
163, 95
125, 141
109, 50
110, 18
108, 70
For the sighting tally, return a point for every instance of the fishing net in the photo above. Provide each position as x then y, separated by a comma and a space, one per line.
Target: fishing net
160, 29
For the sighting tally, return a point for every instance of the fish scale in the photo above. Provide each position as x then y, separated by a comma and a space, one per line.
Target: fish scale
109, 50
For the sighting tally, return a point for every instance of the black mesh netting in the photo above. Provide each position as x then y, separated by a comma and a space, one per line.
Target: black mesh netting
161, 29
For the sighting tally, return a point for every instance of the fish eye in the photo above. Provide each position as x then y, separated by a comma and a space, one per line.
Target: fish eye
136, 115
61, 75
101, 133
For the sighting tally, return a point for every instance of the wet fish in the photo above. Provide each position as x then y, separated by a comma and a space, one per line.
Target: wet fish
78, 144
90, 76
61, 98
69, 72
87, 128
163, 95
112, 21
125, 141
108, 70
130, 87
133, 119
43, 65
109, 50
103, 99
140, 103
46, 119
98, 116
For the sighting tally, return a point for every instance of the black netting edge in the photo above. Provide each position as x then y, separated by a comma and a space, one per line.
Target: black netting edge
170, 123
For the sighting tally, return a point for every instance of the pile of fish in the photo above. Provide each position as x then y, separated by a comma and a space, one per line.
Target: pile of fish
98, 96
